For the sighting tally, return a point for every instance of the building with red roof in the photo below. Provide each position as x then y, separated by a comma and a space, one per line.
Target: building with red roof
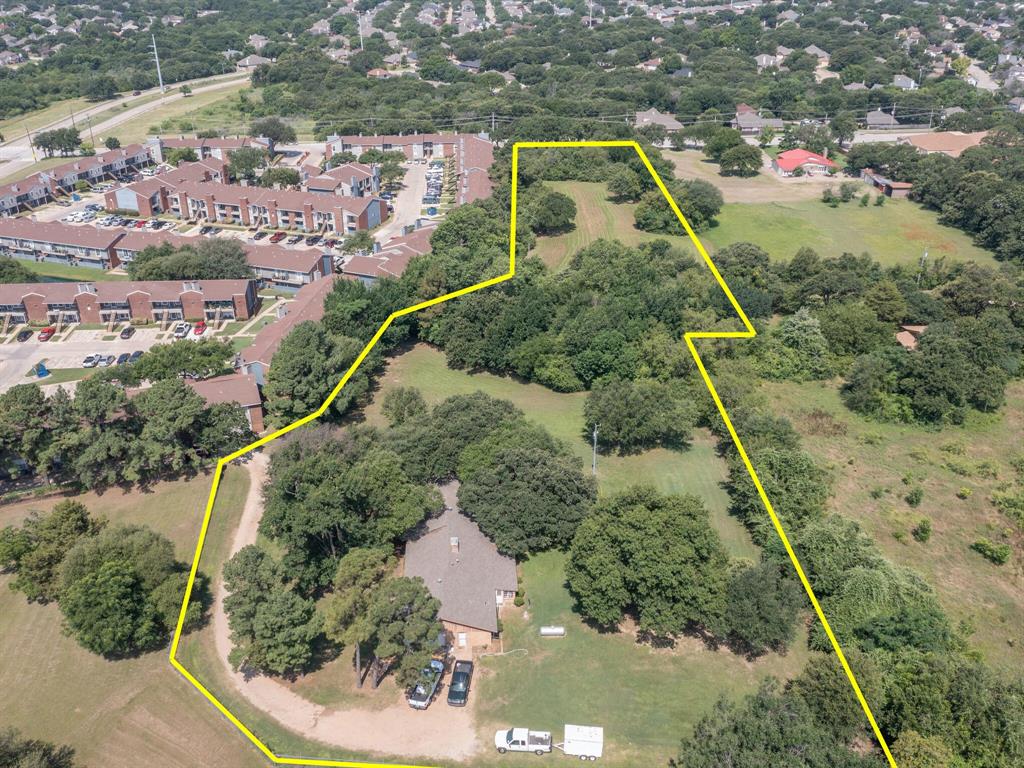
811, 163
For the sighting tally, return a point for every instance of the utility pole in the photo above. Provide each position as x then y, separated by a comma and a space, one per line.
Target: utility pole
359, 17
31, 146
920, 267
595, 450
92, 139
156, 58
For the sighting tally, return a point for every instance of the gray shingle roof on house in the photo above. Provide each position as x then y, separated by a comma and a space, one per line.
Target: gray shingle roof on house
462, 568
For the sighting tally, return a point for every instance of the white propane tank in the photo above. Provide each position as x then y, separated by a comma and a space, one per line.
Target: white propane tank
552, 631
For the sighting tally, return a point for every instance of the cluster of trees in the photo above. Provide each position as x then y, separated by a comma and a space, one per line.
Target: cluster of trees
14, 271
840, 316
658, 559
63, 140
338, 504
19, 752
978, 192
205, 260
119, 588
102, 437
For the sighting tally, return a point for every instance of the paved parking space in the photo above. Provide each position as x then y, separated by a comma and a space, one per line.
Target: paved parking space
16, 359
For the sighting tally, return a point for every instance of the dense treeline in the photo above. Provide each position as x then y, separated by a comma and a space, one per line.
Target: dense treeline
980, 192
119, 587
103, 437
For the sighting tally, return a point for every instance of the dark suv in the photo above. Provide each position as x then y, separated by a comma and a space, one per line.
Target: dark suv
458, 687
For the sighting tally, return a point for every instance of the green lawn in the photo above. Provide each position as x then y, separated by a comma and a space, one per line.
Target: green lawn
67, 272
43, 164
645, 698
897, 233
870, 459
58, 375
125, 713
697, 470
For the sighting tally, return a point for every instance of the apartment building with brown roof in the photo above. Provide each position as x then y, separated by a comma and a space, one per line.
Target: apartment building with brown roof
148, 301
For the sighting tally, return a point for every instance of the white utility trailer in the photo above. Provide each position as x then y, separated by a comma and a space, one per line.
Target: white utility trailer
583, 741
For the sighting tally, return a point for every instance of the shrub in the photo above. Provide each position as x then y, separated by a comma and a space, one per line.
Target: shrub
914, 496
877, 492
864, 199
880, 200
519, 600
990, 550
922, 531
964, 492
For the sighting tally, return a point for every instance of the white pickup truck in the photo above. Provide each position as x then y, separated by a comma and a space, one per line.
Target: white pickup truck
522, 740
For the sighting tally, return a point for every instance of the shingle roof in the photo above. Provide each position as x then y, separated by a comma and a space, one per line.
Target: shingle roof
465, 581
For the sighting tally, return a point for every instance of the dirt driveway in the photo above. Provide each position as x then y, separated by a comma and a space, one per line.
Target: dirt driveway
438, 733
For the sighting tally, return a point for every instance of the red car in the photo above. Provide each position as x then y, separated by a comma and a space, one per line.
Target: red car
277, 237
200, 328
47, 333
140, 224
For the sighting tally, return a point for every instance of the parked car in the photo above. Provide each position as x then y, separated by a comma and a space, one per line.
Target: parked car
458, 686
277, 237
91, 361
135, 356
205, 230
259, 235
294, 239
421, 694
47, 333
139, 224
127, 332
181, 330
200, 328
330, 243
123, 358
24, 334
313, 239
105, 360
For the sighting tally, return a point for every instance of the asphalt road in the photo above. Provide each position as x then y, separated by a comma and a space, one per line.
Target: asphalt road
17, 153
408, 202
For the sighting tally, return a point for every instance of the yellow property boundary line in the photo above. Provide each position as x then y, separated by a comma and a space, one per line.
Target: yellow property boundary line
689, 338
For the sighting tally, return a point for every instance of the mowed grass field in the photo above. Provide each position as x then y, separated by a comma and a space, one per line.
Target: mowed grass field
126, 713
898, 232
869, 462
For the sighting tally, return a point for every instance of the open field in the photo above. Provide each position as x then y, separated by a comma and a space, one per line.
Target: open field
896, 233
869, 459
202, 108
126, 713
697, 470
645, 698
16, 126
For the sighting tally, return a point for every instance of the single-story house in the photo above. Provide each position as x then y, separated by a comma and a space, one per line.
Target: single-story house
463, 569
811, 163
908, 335
654, 117
951, 143
876, 118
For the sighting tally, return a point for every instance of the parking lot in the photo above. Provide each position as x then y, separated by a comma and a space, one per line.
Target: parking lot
67, 350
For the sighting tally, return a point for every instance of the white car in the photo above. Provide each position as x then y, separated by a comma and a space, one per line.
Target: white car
181, 330
91, 361
104, 361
